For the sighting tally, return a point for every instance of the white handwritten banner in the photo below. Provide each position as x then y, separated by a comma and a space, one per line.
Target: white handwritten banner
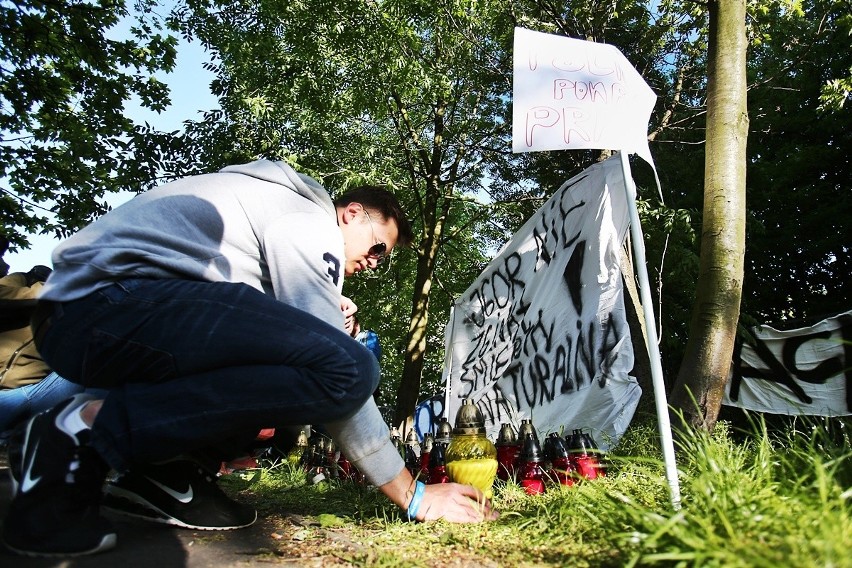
542, 333
798, 371
574, 94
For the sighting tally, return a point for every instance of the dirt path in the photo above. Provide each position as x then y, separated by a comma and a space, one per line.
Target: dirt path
279, 541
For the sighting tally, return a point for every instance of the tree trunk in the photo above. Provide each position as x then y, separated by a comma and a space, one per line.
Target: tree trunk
415, 350
707, 360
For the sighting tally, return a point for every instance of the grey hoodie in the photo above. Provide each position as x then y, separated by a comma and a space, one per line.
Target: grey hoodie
260, 224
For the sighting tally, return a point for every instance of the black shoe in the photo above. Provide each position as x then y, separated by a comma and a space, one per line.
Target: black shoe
179, 493
57, 480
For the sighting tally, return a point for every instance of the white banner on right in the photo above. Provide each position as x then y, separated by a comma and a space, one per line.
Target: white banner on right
805, 371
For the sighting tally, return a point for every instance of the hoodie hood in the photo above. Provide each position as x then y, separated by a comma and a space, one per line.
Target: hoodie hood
282, 174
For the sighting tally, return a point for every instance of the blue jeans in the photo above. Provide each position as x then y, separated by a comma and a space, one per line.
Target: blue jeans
22, 402
191, 364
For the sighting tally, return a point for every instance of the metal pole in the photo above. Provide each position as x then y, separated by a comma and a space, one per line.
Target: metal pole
653, 346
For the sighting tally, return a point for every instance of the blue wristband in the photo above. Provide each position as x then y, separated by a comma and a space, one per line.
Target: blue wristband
414, 506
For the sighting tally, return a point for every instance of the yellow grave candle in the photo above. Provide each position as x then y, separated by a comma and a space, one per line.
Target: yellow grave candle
471, 456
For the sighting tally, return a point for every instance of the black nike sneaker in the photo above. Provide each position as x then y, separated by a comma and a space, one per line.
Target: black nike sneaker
179, 493
57, 480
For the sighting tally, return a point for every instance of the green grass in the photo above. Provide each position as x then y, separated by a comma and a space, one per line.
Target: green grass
760, 499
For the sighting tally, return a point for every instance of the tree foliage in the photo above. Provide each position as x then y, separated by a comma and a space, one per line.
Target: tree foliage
416, 95
64, 85
797, 261
797, 171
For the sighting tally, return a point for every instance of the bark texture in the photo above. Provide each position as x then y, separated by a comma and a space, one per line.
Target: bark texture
704, 371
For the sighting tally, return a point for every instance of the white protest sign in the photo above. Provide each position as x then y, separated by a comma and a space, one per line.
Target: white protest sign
797, 371
574, 94
542, 333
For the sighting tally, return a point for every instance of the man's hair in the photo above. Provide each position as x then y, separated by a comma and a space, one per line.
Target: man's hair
379, 199
38, 273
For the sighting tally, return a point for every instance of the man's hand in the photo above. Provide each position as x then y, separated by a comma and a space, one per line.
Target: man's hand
453, 502
456, 503
350, 322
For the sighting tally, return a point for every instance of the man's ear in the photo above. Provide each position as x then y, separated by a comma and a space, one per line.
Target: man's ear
350, 211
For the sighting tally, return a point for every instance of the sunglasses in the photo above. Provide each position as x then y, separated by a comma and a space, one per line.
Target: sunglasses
378, 250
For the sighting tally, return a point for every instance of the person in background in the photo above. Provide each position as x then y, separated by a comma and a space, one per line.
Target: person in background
27, 384
369, 339
210, 308
4, 248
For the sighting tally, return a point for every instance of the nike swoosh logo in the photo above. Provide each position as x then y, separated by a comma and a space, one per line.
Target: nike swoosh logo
183, 497
28, 482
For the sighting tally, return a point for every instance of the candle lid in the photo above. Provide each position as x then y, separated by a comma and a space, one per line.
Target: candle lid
444, 431
506, 437
469, 419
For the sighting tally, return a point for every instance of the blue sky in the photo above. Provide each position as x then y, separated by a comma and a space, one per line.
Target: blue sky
190, 96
